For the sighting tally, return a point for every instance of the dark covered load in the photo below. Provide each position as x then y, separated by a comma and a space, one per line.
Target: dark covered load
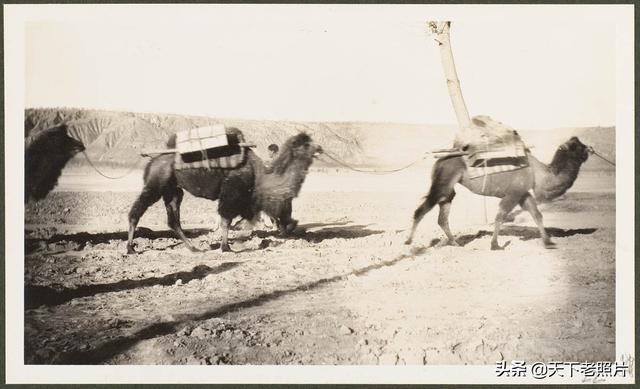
210, 147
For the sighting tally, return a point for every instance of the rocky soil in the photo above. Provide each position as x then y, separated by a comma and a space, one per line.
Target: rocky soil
344, 289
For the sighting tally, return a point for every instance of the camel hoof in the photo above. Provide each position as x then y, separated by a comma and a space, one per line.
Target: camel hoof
130, 250
549, 245
225, 248
195, 250
452, 242
408, 241
495, 246
290, 227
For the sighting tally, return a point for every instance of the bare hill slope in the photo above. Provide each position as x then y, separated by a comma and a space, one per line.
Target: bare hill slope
117, 138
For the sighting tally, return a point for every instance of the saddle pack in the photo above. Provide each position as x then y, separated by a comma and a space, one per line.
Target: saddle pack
212, 147
491, 147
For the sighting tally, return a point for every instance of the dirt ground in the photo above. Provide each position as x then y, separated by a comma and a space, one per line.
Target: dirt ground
343, 290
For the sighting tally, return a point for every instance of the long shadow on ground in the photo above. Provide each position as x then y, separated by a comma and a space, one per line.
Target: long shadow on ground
110, 349
342, 232
524, 233
336, 232
82, 238
316, 225
35, 296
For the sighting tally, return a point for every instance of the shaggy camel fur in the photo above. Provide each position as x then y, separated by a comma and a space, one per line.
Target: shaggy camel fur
243, 191
45, 155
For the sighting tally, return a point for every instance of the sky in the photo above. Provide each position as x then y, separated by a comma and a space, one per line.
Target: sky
530, 67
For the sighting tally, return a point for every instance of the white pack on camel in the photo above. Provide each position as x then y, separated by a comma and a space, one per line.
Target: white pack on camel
490, 144
209, 147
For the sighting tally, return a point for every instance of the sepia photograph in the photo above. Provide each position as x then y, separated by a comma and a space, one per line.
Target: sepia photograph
339, 193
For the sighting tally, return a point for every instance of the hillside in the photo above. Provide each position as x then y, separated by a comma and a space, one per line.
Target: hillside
117, 138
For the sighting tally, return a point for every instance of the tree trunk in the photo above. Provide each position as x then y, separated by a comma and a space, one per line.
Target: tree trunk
441, 30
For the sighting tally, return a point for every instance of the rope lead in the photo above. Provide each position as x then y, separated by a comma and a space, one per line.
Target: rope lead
104, 175
344, 164
601, 157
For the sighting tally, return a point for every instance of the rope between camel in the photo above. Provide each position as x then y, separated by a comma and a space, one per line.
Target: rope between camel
601, 157
344, 164
107, 176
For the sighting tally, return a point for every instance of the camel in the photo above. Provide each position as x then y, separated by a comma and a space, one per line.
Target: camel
45, 155
244, 191
513, 187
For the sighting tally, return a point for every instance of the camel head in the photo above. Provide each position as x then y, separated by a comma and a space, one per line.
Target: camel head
575, 150
299, 149
570, 155
67, 141
46, 154
56, 140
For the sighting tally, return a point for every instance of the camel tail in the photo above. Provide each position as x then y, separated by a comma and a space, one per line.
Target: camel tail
147, 169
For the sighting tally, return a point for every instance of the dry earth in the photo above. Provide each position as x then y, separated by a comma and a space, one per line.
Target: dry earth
343, 290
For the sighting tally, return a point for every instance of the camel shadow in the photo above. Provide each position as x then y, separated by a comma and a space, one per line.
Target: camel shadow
521, 232
342, 232
35, 295
81, 239
111, 348
273, 238
332, 232
316, 225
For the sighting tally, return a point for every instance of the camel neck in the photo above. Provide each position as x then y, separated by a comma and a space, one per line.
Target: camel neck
286, 184
567, 167
560, 177
295, 175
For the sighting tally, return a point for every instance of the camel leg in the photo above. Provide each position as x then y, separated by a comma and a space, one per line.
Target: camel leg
224, 245
506, 205
139, 207
419, 213
172, 202
445, 176
272, 220
511, 217
443, 222
287, 223
529, 205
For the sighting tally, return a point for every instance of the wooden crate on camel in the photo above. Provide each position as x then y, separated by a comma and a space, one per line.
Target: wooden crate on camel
211, 147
